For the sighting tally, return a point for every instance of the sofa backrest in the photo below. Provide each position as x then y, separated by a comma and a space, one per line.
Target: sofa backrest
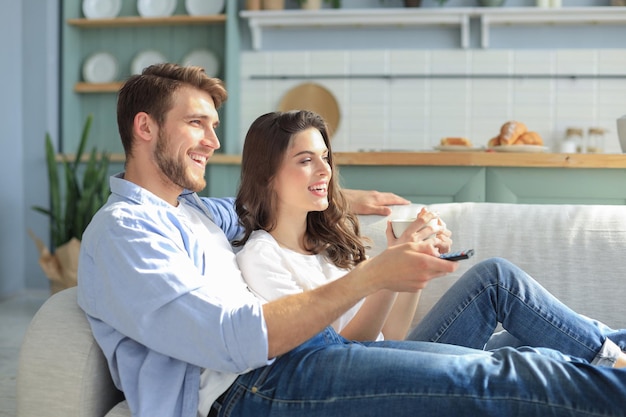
575, 251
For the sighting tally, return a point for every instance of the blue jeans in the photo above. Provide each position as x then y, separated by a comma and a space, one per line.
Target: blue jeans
496, 291
330, 376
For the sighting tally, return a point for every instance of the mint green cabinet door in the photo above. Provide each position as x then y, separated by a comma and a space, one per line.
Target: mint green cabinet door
556, 186
222, 180
427, 185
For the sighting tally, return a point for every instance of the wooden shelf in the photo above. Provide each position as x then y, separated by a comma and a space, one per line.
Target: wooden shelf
486, 159
97, 88
400, 17
130, 21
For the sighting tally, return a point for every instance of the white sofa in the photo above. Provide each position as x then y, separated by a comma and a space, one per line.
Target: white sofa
575, 251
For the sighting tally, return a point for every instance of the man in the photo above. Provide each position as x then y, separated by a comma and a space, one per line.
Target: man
184, 337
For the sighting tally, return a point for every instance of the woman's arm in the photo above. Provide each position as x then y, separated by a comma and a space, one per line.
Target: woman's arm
368, 322
401, 316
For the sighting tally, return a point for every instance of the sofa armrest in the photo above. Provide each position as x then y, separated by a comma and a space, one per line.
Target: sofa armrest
62, 371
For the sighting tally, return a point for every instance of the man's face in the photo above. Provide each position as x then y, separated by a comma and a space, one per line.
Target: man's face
187, 139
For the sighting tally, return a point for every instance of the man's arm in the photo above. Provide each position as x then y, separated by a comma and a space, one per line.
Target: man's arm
294, 319
373, 202
361, 202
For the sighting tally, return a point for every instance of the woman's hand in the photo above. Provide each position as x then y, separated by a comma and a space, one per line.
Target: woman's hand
428, 231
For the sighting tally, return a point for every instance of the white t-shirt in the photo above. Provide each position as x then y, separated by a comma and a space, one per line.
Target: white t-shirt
272, 272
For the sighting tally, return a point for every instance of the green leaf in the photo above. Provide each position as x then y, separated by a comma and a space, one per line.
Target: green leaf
74, 201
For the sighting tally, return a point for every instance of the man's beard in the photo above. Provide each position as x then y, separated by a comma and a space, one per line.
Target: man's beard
174, 169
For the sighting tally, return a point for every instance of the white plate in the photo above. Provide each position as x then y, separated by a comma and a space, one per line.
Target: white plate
458, 148
100, 67
205, 59
203, 7
101, 9
519, 148
156, 8
145, 59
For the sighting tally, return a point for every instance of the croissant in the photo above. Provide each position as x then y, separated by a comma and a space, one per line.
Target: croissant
495, 141
458, 141
511, 131
529, 138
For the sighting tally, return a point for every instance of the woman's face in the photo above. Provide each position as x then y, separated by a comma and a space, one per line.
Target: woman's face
301, 182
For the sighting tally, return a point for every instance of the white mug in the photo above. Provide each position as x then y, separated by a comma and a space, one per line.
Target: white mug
400, 225
621, 132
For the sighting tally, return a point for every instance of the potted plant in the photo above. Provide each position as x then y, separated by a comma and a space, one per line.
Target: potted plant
73, 202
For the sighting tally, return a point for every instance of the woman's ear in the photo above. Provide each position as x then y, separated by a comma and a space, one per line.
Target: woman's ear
144, 127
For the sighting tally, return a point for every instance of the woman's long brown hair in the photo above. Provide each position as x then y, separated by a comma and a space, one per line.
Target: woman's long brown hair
333, 232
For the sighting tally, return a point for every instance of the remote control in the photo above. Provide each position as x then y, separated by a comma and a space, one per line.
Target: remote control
458, 255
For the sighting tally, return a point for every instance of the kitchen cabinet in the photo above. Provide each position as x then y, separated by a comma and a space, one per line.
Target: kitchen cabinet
124, 37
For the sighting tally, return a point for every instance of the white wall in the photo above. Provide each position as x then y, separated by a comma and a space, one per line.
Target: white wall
28, 108
405, 106
11, 180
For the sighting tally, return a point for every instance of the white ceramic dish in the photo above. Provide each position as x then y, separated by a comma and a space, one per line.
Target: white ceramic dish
205, 59
101, 9
520, 148
145, 59
156, 8
204, 7
458, 148
398, 226
101, 67
621, 132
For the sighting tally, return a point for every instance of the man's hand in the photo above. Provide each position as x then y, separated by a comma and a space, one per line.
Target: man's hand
373, 202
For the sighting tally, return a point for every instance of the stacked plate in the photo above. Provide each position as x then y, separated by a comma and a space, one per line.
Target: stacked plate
145, 59
101, 9
205, 59
204, 7
156, 8
100, 67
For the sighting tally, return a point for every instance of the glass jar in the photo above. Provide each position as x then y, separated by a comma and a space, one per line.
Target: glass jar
574, 141
595, 140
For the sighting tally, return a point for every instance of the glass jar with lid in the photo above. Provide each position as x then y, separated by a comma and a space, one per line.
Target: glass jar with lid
595, 140
573, 141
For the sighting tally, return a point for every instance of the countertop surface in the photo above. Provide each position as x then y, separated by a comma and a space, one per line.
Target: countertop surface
479, 158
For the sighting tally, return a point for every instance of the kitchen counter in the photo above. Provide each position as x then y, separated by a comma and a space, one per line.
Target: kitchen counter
479, 159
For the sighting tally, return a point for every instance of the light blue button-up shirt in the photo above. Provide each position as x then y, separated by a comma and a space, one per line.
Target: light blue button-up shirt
166, 300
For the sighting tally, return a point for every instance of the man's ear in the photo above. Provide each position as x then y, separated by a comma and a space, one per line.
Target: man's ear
144, 127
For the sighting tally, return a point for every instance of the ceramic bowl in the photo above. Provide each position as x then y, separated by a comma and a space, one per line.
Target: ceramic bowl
399, 225
621, 132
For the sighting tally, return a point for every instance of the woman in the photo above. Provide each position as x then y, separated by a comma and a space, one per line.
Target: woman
299, 230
